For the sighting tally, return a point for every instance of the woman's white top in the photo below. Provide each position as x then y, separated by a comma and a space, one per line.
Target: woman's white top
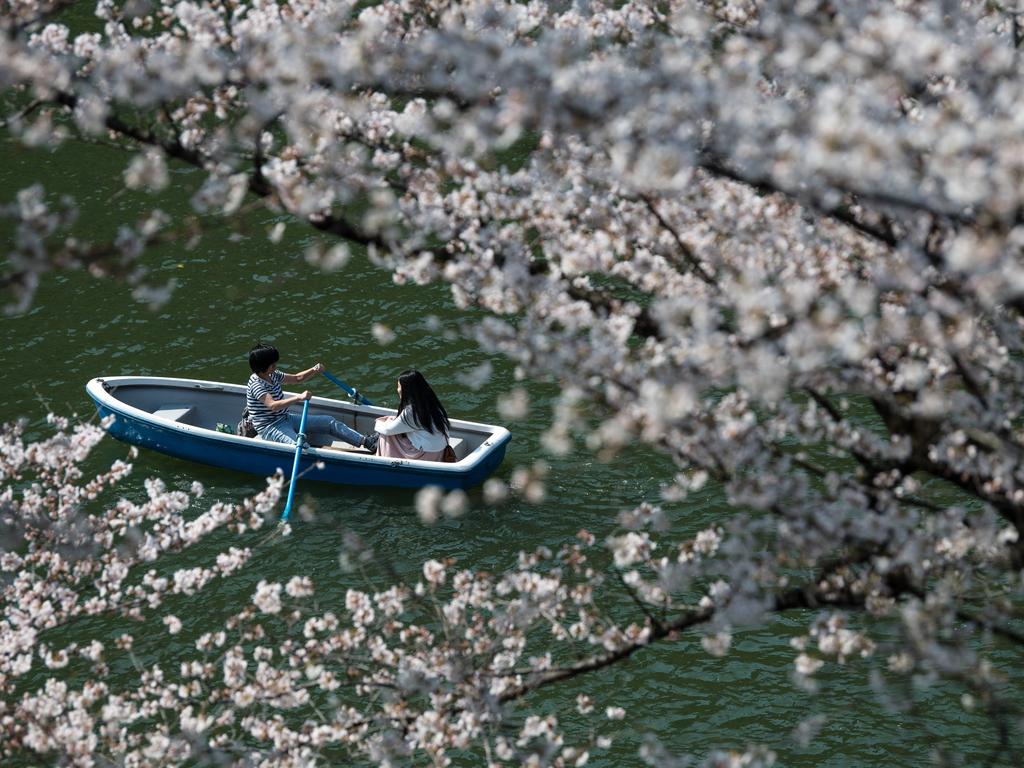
407, 425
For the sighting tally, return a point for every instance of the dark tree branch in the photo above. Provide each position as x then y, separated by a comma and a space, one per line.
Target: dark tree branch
825, 404
970, 380
798, 597
691, 258
644, 325
22, 113
1000, 629
654, 620
886, 236
13, 23
334, 225
172, 148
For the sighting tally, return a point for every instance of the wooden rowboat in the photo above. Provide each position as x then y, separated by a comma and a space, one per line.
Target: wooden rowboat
179, 417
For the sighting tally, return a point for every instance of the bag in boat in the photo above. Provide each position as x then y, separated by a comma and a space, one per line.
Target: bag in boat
245, 427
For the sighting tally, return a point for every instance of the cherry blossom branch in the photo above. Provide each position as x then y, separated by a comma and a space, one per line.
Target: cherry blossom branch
688, 255
258, 185
798, 598
766, 185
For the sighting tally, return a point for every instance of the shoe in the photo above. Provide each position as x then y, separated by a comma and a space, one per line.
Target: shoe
370, 441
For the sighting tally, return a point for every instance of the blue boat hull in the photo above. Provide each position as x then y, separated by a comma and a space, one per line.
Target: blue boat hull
261, 458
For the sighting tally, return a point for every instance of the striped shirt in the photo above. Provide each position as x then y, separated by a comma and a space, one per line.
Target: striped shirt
262, 417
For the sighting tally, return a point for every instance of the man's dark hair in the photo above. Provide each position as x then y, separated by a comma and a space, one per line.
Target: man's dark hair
262, 356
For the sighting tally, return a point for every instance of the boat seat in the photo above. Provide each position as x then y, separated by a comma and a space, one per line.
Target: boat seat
341, 445
175, 411
457, 444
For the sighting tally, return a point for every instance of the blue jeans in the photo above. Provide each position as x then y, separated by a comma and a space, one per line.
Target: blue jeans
322, 426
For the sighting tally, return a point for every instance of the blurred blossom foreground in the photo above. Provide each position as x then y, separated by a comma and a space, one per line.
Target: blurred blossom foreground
779, 242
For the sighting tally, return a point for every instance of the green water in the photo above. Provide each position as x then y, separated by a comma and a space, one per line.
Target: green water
235, 288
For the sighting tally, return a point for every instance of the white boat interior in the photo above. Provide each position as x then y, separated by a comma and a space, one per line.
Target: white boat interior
207, 404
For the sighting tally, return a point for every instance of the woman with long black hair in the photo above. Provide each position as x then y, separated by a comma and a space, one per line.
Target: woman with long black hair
420, 429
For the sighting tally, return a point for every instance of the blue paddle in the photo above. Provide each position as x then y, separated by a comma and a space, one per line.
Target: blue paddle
353, 393
295, 465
